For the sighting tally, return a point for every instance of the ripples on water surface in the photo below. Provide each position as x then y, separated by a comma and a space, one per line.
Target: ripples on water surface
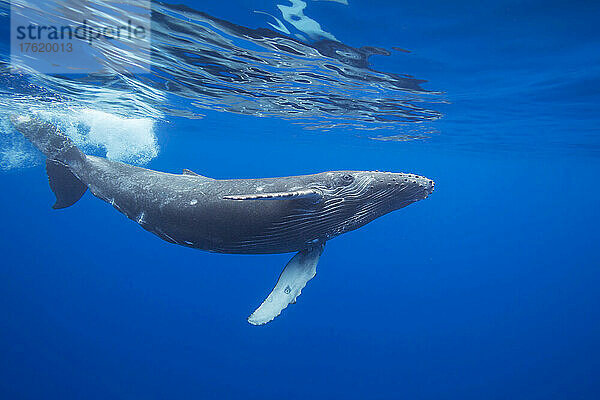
200, 62
515, 84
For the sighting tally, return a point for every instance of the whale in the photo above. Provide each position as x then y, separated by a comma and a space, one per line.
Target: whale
292, 214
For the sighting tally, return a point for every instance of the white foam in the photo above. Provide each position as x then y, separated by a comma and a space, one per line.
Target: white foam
130, 140
12, 158
15, 151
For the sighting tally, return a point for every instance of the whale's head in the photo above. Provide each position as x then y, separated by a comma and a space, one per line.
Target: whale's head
361, 196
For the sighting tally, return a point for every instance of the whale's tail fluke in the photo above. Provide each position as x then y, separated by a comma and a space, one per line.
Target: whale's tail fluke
62, 158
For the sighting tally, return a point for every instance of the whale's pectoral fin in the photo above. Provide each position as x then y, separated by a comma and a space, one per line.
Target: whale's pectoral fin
66, 187
308, 194
301, 268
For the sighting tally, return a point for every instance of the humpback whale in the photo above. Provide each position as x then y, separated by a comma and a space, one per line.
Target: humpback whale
238, 216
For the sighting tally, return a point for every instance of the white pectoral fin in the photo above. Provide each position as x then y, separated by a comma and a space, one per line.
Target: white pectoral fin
309, 194
299, 270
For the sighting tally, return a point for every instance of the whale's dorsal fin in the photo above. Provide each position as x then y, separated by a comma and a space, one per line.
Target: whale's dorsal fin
309, 194
296, 274
188, 172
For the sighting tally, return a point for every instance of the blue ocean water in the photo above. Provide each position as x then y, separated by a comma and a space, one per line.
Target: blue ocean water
488, 289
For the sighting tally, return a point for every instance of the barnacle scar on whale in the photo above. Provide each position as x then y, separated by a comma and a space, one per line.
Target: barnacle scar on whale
238, 216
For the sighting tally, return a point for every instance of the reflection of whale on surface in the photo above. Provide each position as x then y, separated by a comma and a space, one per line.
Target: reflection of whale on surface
244, 216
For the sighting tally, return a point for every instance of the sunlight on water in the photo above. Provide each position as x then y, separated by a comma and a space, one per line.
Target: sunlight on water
322, 83
200, 62
294, 15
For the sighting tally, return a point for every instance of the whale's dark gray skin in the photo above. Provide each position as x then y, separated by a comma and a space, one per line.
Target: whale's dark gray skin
242, 216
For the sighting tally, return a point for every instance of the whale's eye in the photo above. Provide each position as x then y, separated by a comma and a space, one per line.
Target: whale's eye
347, 179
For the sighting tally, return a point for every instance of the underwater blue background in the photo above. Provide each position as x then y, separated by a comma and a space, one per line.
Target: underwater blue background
486, 290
